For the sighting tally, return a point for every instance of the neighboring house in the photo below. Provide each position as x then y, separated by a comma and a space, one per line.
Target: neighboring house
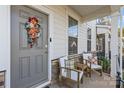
98, 37
62, 28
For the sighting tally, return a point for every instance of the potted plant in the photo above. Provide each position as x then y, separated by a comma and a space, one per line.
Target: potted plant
105, 63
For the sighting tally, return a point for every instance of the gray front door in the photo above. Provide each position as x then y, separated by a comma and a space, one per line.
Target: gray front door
29, 66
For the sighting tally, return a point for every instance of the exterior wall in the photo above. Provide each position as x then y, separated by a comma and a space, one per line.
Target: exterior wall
59, 40
60, 33
92, 26
84, 38
82, 42
5, 42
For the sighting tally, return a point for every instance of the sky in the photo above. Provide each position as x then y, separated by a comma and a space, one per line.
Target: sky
122, 13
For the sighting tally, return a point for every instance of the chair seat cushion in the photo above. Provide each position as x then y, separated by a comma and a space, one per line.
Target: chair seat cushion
62, 61
72, 74
93, 60
95, 66
87, 55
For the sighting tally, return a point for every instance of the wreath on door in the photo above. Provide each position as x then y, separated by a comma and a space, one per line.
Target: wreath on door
33, 31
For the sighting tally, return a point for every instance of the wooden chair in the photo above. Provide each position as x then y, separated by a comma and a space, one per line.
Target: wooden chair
68, 70
92, 65
2, 78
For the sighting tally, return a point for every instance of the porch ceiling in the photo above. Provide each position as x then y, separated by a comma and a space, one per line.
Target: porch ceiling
90, 12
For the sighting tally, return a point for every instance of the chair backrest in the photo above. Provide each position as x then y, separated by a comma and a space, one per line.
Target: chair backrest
73, 56
70, 63
62, 61
87, 55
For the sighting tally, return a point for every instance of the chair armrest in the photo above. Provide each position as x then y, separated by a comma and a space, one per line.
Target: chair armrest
87, 61
71, 69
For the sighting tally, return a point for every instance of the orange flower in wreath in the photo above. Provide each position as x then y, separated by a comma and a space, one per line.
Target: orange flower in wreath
33, 31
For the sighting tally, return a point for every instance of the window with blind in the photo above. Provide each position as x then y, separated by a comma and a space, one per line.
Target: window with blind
72, 36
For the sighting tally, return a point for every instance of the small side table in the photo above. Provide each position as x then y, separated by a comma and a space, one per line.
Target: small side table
2, 78
81, 66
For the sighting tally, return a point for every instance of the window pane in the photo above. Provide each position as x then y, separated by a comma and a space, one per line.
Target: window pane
73, 27
88, 40
72, 35
72, 45
88, 45
89, 33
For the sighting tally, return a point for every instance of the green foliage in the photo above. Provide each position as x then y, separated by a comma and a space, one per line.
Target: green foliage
123, 75
105, 63
123, 32
118, 32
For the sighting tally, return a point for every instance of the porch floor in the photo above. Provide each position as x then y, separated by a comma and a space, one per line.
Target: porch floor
96, 81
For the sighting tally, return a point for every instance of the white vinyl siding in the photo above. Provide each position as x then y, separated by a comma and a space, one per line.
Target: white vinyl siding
83, 36
60, 33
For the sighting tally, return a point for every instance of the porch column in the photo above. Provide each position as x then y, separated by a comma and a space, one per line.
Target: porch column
114, 42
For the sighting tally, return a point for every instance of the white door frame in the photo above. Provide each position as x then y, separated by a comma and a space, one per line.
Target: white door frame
121, 45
